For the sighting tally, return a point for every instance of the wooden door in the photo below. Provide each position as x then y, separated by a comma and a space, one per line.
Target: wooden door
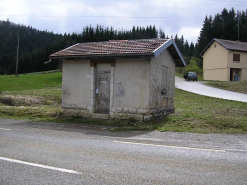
102, 92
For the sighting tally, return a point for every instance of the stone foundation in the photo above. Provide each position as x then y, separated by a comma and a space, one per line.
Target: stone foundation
118, 113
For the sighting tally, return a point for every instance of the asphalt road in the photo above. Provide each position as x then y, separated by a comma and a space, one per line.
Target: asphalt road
200, 88
55, 153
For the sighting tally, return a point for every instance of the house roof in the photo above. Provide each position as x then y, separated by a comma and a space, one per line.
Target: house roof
228, 44
121, 48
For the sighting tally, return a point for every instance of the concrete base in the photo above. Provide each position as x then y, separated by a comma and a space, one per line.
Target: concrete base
120, 113
100, 116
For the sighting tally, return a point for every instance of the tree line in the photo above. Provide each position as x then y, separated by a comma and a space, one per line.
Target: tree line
36, 45
33, 50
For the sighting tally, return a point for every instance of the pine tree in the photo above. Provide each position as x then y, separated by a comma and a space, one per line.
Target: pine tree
204, 38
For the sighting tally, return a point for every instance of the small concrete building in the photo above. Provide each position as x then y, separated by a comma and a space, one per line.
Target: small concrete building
225, 60
119, 78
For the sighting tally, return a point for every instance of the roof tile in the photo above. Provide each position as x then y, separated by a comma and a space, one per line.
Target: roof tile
112, 47
233, 45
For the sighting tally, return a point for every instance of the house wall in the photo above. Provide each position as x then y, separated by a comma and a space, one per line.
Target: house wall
216, 74
215, 63
162, 79
76, 80
244, 75
131, 88
162, 84
239, 65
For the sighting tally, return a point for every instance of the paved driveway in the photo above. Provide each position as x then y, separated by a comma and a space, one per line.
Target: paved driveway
200, 88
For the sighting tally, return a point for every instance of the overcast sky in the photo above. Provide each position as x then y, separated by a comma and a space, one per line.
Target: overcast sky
172, 16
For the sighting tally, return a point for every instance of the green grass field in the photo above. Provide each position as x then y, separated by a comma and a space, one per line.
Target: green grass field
30, 82
191, 67
38, 97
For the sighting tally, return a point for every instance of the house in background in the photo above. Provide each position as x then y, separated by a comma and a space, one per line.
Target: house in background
119, 78
225, 60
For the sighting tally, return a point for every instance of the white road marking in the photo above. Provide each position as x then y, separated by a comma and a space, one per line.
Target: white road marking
39, 165
168, 146
4, 129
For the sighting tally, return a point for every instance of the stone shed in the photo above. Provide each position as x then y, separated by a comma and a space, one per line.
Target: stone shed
119, 78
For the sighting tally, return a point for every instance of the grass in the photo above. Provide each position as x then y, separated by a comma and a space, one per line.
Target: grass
32, 96
38, 97
195, 113
191, 67
30, 82
240, 86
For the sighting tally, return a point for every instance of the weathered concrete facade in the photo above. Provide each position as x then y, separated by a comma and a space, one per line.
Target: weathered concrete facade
120, 87
139, 88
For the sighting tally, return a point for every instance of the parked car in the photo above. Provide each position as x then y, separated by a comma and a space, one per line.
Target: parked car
190, 76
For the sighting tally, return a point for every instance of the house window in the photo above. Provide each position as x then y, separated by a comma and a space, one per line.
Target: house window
236, 57
215, 46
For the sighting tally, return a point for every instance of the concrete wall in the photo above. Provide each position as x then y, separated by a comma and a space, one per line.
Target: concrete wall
131, 83
76, 82
215, 57
140, 88
216, 74
215, 63
244, 75
239, 65
162, 79
131, 88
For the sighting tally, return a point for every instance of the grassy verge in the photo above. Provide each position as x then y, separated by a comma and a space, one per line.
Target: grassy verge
230, 86
194, 113
32, 96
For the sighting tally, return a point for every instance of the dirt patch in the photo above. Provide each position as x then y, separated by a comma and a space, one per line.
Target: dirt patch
18, 100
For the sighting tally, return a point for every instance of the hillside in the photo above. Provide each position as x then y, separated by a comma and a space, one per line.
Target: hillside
34, 46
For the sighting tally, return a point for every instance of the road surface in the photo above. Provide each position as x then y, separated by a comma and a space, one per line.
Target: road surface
200, 88
55, 153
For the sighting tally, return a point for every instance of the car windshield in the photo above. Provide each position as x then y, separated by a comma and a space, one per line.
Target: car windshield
192, 74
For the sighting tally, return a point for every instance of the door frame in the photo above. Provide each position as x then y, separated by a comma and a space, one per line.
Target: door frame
93, 66
102, 92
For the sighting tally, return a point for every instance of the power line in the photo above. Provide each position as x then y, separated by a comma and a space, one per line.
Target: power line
99, 16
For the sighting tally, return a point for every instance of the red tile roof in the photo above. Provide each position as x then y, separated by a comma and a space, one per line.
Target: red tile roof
112, 48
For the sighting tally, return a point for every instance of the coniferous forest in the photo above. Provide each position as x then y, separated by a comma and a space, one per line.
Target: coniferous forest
35, 46
228, 25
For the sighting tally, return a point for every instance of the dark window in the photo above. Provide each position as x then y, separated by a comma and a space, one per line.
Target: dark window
236, 57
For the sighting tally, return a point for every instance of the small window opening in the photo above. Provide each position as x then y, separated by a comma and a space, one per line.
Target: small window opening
236, 57
215, 46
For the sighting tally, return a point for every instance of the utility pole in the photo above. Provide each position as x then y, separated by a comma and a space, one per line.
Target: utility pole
17, 55
238, 24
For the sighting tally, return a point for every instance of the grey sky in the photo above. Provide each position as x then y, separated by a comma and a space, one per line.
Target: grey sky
172, 16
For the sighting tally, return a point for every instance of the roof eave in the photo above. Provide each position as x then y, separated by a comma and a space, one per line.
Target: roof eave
216, 40
166, 45
102, 56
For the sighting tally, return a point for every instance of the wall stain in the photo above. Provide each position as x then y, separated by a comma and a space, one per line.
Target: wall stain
120, 88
